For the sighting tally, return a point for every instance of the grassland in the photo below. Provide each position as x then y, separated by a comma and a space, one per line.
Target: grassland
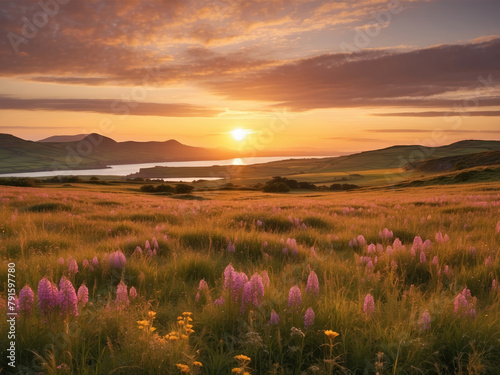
418, 324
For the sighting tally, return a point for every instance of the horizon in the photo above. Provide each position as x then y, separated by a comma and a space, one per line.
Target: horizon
260, 75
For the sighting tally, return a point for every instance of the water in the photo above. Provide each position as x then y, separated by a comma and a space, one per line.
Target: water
127, 169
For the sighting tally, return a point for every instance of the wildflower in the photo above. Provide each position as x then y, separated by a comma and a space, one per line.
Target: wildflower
83, 294
202, 285
275, 318
331, 334
117, 259
61, 261
151, 314
259, 223
121, 295
67, 299
425, 320
26, 300
198, 364
497, 228
488, 262
85, 263
389, 250
464, 303
184, 369
369, 305
312, 283
371, 248
95, 262
72, 266
361, 240
294, 297
242, 358
494, 285
132, 292
265, 244
422, 257
435, 261
253, 291
309, 318
219, 301
47, 296
297, 332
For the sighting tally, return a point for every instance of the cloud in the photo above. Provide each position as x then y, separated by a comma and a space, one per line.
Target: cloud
453, 131
439, 114
107, 106
374, 78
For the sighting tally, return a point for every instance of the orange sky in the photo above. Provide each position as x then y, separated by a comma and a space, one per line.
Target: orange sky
329, 75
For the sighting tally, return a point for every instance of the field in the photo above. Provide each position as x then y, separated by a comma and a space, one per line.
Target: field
248, 282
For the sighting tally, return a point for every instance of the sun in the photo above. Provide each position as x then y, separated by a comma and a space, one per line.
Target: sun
239, 134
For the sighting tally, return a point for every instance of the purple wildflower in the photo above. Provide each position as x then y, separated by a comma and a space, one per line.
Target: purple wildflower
294, 297
85, 263
275, 318
312, 283
61, 261
121, 295
259, 223
67, 301
464, 303
425, 320
309, 318
48, 296
26, 300
369, 305
423, 258
435, 261
95, 262
83, 294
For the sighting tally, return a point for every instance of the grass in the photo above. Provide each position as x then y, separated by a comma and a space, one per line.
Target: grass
40, 229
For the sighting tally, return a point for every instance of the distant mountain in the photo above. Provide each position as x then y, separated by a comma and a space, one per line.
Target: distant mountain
94, 151
64, 138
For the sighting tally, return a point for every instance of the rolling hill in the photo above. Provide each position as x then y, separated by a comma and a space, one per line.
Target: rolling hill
94, 151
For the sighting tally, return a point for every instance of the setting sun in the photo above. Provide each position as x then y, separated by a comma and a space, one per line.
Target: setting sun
239, 134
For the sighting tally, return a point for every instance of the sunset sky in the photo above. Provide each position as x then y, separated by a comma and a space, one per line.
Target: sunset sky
329, 75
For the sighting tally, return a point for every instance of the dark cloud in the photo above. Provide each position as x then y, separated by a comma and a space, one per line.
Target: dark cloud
107, 106
439, 114
374, 78
453, 131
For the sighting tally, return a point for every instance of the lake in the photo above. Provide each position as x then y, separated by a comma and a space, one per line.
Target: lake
127, 169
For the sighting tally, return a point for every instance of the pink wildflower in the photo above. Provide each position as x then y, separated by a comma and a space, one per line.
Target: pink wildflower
425, 320
369, 305
423, 258
26, 300
122, 295
83, 294
132, 293
275, 318
294, 297
309, 318
67, 301
312, 283
72, 266
48, 296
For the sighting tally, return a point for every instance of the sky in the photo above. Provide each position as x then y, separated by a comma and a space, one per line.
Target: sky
338, 76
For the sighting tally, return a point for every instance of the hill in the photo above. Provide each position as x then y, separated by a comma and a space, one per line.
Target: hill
369, 167
450, 163
64, 138
94, 151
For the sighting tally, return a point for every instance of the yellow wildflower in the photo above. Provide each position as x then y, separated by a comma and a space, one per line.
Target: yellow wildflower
183, 368
236, 370
143, 322
189, 331
180, 318
173, 338
331, 334
196, 363
187, 314
184, 337
180, 322
189, 326
152, 329
152, 314
242, 358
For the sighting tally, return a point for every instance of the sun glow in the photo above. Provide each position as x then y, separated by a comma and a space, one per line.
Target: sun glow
239, 134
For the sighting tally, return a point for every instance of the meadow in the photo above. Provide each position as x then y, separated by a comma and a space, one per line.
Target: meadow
387, 281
